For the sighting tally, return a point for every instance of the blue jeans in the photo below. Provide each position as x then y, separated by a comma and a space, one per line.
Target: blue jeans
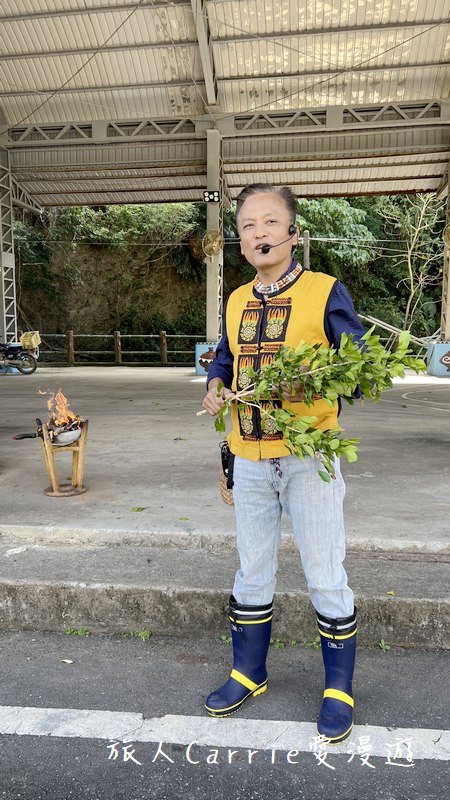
262, 490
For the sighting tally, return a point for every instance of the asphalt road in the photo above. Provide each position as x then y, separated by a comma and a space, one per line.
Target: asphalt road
155, 690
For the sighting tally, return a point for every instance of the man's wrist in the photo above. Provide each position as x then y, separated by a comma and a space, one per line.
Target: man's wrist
213, 383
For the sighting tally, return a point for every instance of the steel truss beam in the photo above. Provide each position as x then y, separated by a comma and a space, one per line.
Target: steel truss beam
8, 320
21, 198
136, 148
205, 49
388, 115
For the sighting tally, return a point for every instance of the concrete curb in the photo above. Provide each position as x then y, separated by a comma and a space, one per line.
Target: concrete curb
113, 609
402, 598
203, 540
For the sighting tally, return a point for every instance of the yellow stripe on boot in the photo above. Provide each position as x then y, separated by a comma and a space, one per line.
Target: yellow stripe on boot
338, 695
254, 690
240, 678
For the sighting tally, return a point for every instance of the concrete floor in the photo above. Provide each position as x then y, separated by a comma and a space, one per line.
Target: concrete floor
147, 449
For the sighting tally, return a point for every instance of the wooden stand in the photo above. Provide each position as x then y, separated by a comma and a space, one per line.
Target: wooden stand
78, 450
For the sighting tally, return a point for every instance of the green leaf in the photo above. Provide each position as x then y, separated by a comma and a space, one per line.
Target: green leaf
331, 374
325, 476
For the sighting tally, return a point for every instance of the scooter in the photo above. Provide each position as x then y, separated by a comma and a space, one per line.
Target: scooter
14, 355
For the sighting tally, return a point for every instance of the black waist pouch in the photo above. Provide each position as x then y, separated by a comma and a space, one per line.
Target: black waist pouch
227, 458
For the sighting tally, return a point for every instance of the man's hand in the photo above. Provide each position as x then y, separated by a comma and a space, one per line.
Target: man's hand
213, 401
294, 394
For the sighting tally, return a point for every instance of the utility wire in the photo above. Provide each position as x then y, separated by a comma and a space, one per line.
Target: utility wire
140, 3
74, 74
337, 74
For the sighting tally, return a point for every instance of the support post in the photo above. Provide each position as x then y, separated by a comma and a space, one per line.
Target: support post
306, 249
214, 221
163, 347
117, 349
445, 310
8, 314
70, 349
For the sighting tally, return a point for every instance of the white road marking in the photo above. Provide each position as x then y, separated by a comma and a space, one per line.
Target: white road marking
414, 404
410, 396
207, 732
15, 550
359, 475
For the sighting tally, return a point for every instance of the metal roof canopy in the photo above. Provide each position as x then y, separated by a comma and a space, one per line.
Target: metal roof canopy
109, 102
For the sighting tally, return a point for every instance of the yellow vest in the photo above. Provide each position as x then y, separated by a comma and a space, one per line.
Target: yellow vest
255, 332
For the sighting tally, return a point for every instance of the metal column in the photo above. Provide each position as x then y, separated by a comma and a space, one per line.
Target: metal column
445, 313
214, 221
8, 318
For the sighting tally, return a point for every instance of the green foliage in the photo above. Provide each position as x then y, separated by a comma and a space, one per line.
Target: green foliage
134, 246
391, 258
328, 373
335, 218
33, 257
406, 273
315, 643
416, 222
383, 646
192, 319
120, 226
144, 635
77, 631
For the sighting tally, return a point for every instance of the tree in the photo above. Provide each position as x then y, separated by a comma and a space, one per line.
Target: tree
416, 222
133, 246
342, 245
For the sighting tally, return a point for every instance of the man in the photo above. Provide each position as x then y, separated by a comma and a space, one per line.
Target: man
282, 306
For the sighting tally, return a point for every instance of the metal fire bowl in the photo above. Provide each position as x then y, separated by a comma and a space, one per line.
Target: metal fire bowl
66, 437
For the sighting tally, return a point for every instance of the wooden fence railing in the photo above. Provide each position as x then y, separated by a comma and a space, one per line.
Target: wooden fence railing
118, 349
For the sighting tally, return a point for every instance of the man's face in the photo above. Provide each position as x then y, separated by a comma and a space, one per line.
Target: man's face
264, 219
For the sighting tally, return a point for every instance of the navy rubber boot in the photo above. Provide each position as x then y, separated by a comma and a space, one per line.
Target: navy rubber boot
338, 640
250, 633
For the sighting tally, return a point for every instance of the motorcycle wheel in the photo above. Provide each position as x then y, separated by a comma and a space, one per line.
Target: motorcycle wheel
25, 363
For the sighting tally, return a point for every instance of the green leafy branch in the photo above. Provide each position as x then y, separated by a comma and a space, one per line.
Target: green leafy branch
326, 373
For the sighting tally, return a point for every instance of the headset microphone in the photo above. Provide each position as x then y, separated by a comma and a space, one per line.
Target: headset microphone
266, 248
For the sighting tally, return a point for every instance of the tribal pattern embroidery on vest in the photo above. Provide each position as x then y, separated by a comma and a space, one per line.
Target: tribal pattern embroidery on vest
246, 422
249, 327
266, 360
277, 321
269, 430
244, 364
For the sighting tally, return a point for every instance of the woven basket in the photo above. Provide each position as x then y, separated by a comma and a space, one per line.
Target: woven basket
30, 339
226, 494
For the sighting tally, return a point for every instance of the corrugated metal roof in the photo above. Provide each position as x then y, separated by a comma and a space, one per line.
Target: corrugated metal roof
93, 60
278, 54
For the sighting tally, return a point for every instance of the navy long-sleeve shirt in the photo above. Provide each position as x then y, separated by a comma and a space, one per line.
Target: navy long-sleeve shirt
340, 317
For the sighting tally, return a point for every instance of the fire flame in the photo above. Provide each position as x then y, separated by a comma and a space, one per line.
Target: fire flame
58, 406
